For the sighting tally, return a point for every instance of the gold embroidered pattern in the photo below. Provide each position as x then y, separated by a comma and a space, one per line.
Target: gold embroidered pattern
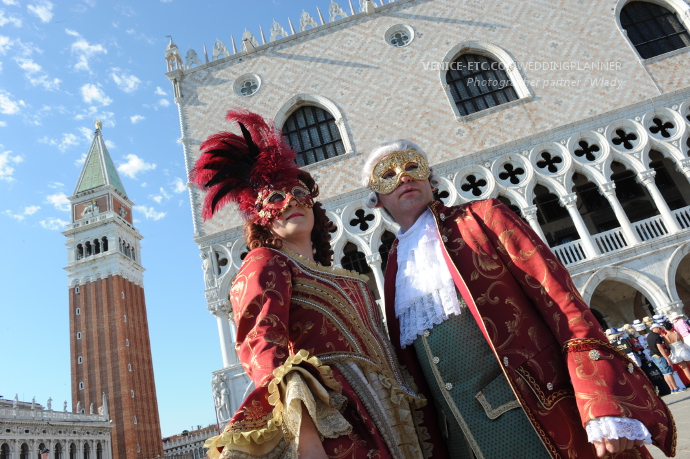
547, 401
494, 413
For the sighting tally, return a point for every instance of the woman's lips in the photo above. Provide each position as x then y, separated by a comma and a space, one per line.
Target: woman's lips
294, 214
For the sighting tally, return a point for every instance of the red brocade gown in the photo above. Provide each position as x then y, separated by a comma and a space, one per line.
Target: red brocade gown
314, 336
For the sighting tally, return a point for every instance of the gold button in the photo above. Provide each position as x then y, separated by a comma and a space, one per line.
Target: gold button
631, 368
505, 361
442, 217
445, 238
449, 386
594, 354
426, 333
436, 360
549, 386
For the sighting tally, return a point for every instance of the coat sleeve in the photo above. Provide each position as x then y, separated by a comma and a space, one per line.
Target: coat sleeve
267, 422
605, 381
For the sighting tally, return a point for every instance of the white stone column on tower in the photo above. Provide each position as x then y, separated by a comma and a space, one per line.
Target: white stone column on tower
530, 214
607, 190
647, 179
569, 202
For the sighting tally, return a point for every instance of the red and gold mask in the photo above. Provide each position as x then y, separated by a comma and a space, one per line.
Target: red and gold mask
272, 202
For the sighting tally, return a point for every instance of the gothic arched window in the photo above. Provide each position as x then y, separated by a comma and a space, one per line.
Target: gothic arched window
653, 29
478, 82
312, 132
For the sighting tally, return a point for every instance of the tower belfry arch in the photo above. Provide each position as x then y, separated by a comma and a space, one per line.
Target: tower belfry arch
109, 338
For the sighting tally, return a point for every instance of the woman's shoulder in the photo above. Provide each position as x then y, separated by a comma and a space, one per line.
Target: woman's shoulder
263, 257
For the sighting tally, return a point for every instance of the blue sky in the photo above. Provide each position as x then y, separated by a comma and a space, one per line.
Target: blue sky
64, 65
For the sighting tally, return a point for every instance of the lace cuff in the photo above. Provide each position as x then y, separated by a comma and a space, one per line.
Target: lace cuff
613, 428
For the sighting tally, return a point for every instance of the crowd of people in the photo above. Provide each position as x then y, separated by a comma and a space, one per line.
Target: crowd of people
658, 344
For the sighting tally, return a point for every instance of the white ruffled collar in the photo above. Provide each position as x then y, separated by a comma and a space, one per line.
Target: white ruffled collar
425, 294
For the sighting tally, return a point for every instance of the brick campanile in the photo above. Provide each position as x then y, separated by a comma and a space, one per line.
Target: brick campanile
110, 349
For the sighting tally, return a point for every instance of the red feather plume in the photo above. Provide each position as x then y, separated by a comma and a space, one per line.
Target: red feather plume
234, 168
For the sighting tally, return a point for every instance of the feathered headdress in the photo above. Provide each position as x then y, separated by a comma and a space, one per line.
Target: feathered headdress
244, 169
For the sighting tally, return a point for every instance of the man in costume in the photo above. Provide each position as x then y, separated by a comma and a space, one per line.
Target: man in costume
487, 320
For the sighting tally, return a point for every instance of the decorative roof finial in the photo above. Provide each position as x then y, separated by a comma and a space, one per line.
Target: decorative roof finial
99, 125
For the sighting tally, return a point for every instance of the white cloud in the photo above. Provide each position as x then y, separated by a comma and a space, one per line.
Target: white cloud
3, 124
63, 144
159, 91
59, 201
43, 10
81, 160
86, 132
161, 196
84, 51
10, 2
92, 93
35, 74
7, 105
136, 118
179, 185
150, 213
110, 144
5, 44
30, 210
164, 103
6, 165
127, 83
55, 185
54, 224
134, 165
9, 20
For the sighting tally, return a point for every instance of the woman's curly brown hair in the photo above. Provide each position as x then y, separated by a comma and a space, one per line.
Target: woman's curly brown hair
260, 236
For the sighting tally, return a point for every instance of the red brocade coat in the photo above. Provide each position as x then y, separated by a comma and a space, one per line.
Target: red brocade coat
550, 347
312, 335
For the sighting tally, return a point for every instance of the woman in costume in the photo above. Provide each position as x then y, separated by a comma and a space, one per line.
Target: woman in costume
309, 336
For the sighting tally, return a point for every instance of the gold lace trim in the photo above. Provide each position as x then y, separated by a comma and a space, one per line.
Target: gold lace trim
273, 425
326, 269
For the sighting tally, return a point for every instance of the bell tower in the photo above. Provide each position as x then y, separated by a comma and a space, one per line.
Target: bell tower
109, 336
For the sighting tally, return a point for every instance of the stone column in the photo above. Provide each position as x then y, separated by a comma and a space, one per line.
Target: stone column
647, 179
569, 202
530, 214
374, 260
607, 190
220, 309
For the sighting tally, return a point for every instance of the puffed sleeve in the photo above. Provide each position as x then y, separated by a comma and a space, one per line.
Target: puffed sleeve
605, 382
267, 423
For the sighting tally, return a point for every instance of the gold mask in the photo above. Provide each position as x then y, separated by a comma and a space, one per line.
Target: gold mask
388, 173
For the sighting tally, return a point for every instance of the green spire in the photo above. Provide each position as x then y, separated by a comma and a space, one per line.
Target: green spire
99, 169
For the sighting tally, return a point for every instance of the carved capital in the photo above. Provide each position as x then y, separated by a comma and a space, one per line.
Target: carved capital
219, 307
646, 177
607, 189
568, 200
530, 212
374, 259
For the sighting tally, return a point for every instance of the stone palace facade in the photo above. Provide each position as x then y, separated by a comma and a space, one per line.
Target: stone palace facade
578, 119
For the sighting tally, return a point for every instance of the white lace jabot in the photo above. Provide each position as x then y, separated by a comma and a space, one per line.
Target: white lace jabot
424, 290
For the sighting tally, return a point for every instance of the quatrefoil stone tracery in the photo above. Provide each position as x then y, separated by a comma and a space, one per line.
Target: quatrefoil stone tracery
661, 127
624, 138
587, 150
362, 219
549, 162
511, 173
473, 185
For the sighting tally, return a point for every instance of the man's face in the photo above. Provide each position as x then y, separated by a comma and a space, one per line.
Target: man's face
410, 198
